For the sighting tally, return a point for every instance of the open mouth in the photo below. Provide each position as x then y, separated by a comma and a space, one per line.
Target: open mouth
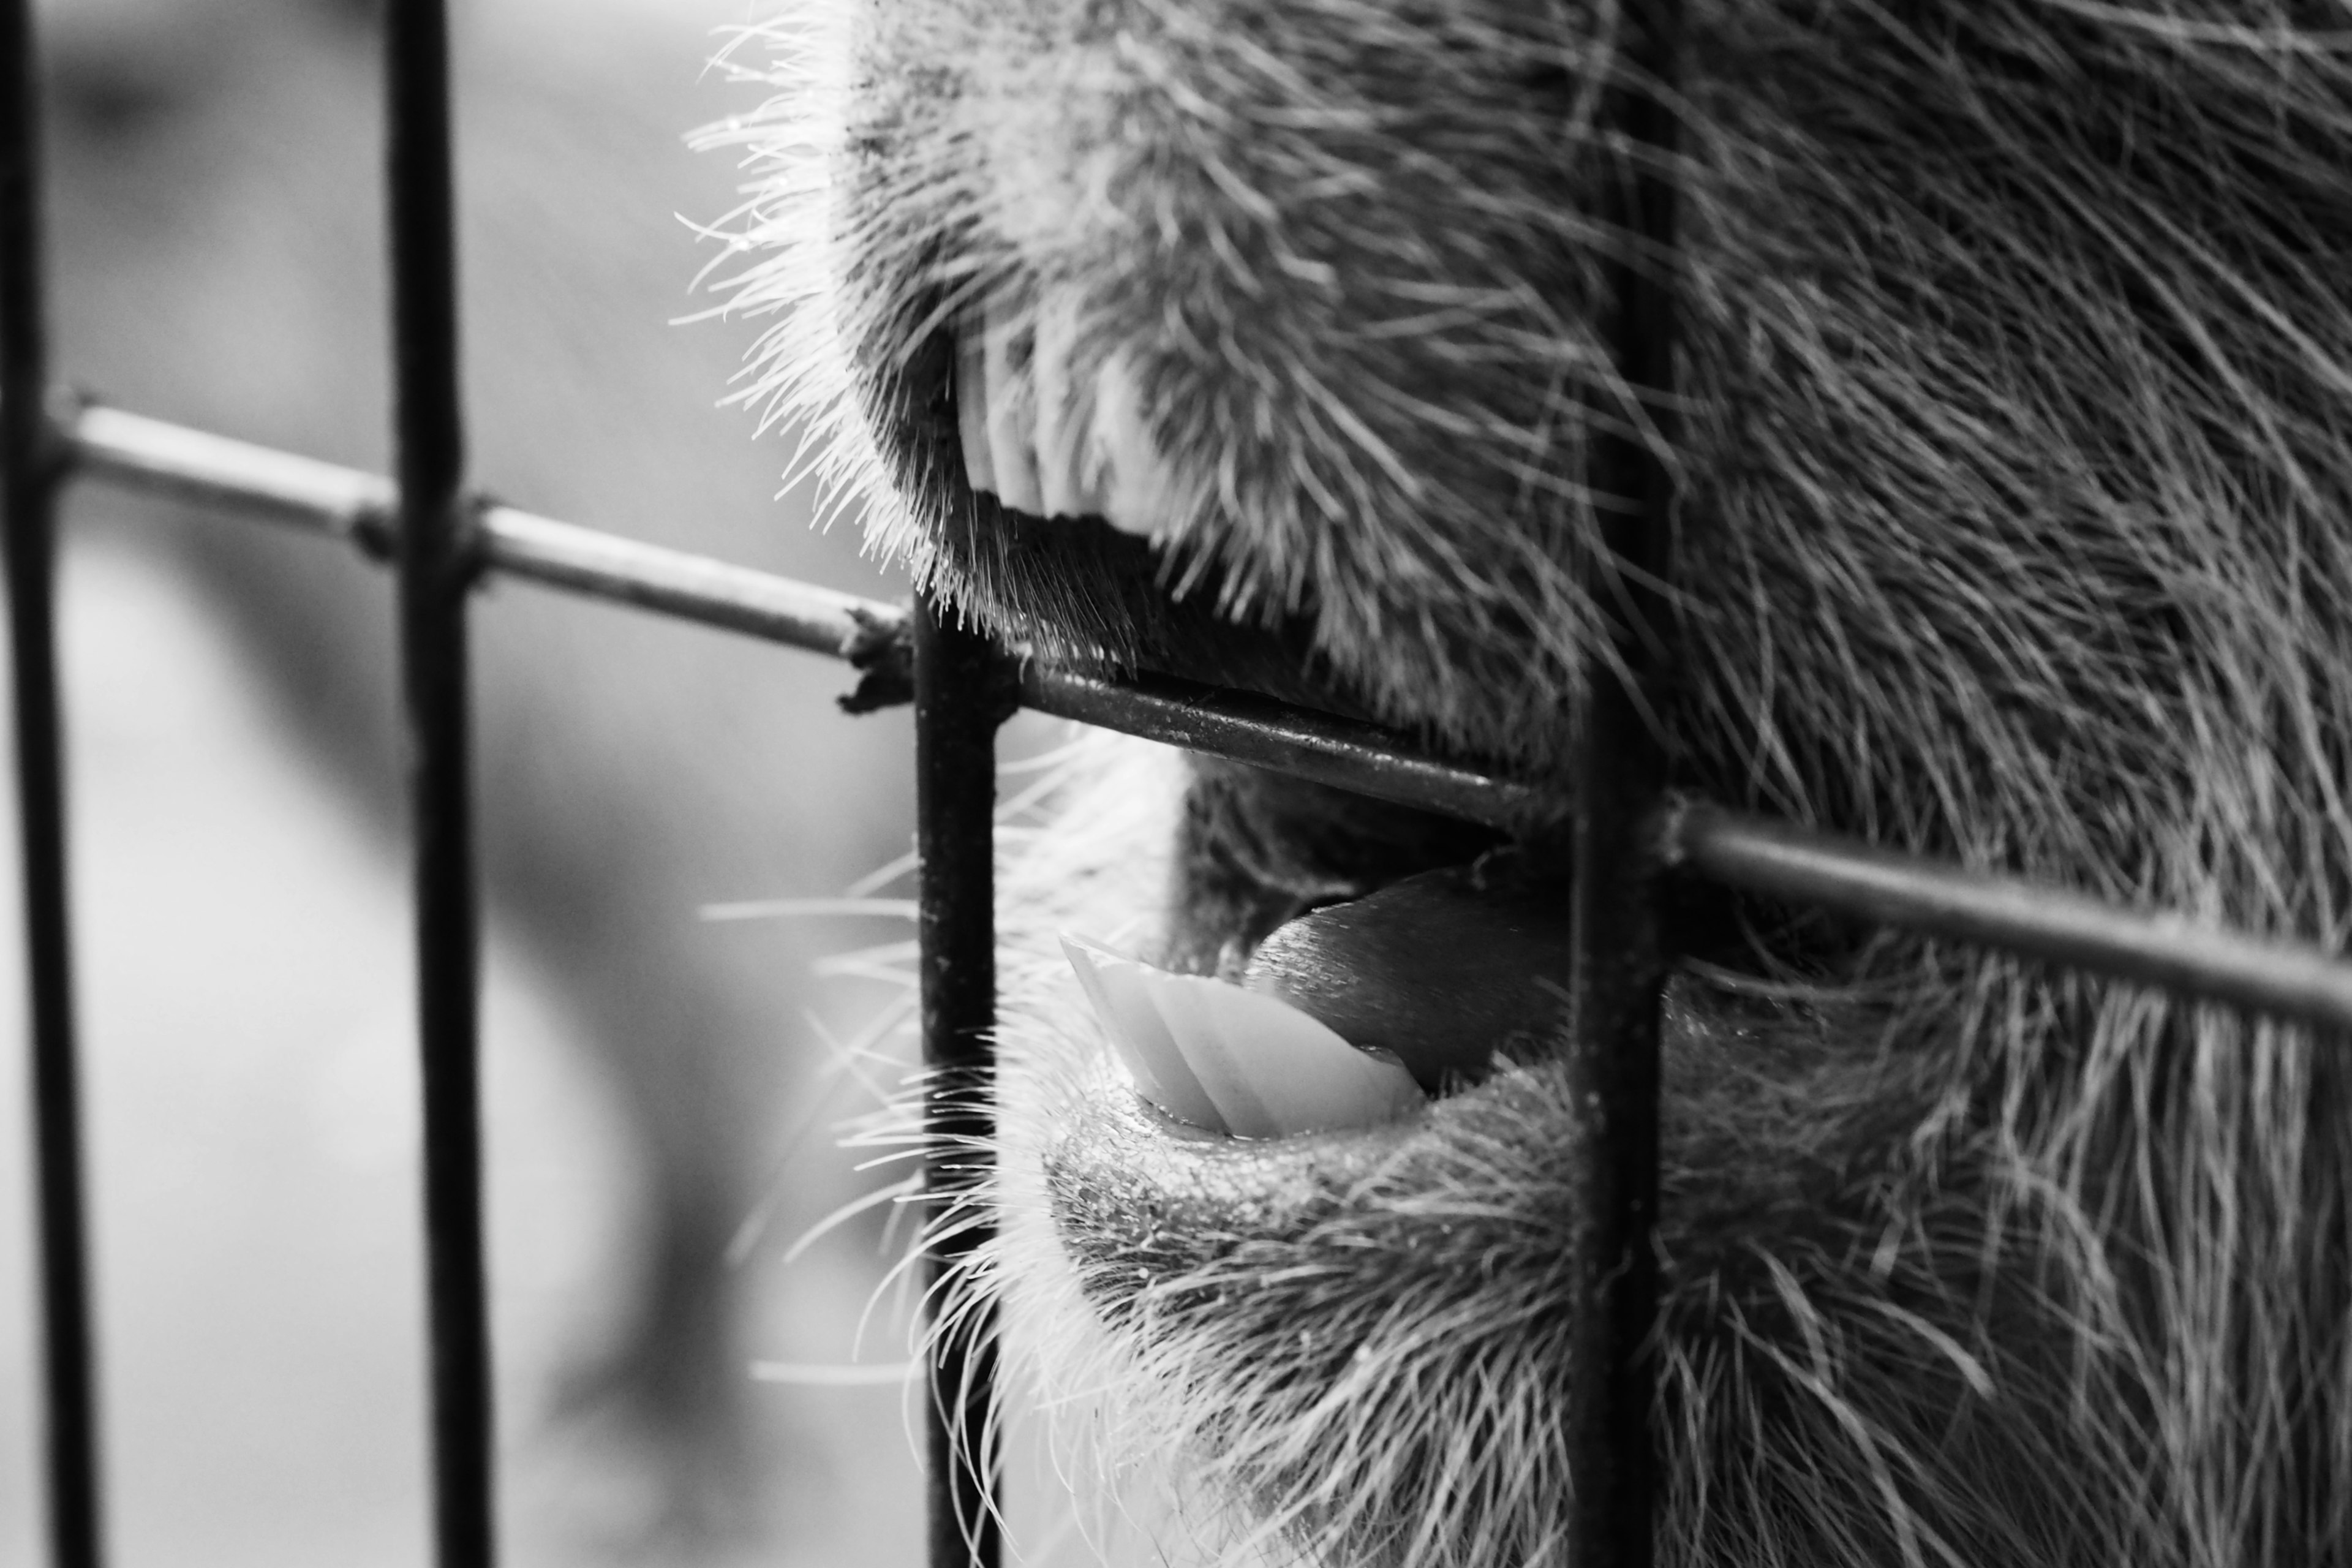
1350, 1014
1370, 967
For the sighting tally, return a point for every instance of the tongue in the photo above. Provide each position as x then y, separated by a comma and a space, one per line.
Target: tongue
1440, 970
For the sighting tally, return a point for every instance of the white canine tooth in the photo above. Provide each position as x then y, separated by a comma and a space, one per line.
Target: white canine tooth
1262, 1067
972, 410
1011, 409
1115, 988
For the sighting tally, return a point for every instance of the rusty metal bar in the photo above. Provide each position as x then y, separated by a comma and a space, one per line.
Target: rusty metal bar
1620, 960
434, 552
29, 471
2289, 979
963, 691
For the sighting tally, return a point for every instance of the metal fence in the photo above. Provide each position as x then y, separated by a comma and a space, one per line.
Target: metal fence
1625, 831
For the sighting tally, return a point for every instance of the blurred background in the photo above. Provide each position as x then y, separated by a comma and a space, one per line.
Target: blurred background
664, 1090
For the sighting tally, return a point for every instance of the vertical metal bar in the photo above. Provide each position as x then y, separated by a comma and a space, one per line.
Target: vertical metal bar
1620, 945
31, 464
964, 690
437, 563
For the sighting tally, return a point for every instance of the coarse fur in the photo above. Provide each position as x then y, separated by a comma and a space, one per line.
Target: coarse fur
2014, 440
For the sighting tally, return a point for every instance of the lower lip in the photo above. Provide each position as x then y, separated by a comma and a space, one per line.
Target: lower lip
1120, 1174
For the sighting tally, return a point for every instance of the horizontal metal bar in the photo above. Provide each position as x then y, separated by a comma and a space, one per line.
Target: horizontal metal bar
673, 582
193, 465
1306, 745
2292, 980
436, 560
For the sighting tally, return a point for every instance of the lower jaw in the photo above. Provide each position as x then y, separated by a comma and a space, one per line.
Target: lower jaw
1100, 1189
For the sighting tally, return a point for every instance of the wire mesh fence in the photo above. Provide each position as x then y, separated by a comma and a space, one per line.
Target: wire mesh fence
1627, 833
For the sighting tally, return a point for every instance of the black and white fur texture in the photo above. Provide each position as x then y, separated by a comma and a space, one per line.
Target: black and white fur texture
2015, 451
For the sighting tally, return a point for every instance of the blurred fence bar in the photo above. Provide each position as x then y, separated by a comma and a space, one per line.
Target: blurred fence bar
30, 472
433, 549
